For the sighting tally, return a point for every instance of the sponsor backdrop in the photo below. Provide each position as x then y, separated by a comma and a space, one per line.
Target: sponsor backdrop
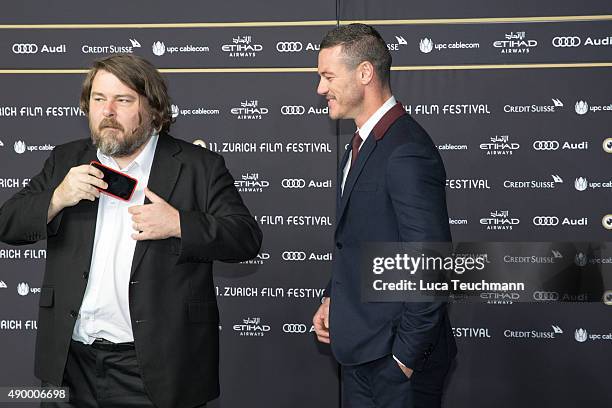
516, 96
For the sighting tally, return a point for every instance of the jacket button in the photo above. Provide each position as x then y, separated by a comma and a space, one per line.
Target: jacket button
73, 314
86, 275
339, 245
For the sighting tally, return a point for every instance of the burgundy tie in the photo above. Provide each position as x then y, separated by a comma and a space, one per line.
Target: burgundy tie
355, 151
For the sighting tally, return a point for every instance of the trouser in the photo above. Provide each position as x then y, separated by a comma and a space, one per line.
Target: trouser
103, 375
382, 384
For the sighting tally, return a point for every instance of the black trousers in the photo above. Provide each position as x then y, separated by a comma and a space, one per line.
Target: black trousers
382, 384
101, 378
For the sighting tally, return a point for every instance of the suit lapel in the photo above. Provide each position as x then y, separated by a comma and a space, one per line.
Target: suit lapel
366, 150
345, 158
377, 134
162, 179
90, 211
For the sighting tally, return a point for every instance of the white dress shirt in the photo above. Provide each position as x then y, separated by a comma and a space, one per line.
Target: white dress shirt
365, 131
105, 311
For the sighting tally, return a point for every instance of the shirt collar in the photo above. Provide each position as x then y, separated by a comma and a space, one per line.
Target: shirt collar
144, 160
367, 127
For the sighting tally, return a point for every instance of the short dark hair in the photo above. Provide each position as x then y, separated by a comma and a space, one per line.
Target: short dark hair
139, 75
361, 42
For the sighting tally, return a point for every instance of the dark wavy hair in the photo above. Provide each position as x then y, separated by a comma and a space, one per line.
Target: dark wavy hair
361, 42
139, 75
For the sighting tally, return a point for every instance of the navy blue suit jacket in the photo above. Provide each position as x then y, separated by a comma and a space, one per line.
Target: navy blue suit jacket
395, 192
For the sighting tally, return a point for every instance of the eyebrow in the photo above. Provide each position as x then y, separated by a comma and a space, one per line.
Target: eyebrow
94, 93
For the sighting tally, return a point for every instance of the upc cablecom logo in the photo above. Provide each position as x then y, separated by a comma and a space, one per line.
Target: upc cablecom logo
20, 147
581, 335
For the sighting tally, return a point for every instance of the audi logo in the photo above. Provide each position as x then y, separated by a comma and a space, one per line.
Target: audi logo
289, 46
294, 256
545, 145
293, 183
25, 48
545, 221
566, 42
551, 296
293, 110
294, 328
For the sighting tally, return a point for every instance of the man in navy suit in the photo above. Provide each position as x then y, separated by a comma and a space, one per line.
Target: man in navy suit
391, 187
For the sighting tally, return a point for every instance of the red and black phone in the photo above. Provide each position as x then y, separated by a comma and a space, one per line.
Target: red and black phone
120, 185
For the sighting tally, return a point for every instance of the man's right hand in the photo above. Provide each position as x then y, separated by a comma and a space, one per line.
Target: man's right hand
321, 322
79, 184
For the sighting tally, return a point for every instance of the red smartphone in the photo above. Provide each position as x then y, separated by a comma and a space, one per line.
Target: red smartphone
120, 185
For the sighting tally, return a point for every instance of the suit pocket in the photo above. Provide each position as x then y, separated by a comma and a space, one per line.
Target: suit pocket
366, 186
203, 312
46, 297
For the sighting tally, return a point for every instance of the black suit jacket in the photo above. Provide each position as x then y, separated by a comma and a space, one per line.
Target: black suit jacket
172, 299
394, 192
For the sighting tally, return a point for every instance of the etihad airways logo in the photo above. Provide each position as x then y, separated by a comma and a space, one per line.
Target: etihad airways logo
242, 47
499, 146
515, 43
500, 221
251, 327
249, 110
251, 183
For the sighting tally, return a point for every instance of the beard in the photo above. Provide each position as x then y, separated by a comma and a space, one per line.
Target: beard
106, 138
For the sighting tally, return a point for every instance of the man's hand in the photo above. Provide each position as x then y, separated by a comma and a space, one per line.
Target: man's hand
407, 371
79, 184
321, 322
158, 220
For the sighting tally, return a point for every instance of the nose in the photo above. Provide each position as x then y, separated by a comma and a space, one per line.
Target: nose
109, 109
322, 88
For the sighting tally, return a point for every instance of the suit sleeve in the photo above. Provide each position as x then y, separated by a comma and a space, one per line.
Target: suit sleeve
225, 230
416, 183
23, 218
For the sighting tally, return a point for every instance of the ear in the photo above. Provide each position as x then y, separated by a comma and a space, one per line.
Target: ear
365, 71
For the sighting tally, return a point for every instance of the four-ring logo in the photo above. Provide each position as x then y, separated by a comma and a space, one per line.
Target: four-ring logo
545, 221
566, 42
294, 256
293, 110
294, 328
545, 145
25, 48
289, 46
550, 296
293, 183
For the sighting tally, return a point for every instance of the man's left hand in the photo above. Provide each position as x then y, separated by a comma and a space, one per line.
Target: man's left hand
407, 371
158, 220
